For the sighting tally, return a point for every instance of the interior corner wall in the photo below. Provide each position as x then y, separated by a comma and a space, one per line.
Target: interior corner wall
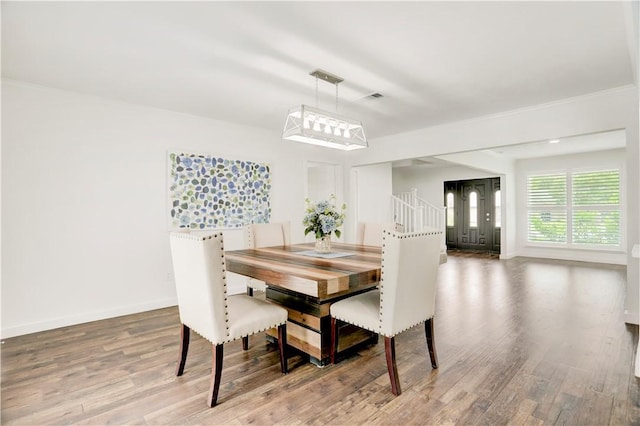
370, 195
84, 201
510, 214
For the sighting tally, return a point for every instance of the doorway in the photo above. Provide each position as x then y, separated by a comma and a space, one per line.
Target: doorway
323, 180
473, 218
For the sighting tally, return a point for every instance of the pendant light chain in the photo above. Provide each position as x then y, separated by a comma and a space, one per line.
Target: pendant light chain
336, 97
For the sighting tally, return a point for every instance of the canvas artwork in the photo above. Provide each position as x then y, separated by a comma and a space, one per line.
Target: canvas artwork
208, 192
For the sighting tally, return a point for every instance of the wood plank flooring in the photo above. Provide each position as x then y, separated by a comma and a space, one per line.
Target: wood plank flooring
520, 341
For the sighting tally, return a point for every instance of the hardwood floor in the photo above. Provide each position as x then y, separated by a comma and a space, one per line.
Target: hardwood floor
519, 341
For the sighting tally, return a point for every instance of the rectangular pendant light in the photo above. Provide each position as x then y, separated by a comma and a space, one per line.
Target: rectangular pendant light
318, 127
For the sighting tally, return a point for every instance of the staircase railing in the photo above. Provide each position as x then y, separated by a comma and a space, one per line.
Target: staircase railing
417, 214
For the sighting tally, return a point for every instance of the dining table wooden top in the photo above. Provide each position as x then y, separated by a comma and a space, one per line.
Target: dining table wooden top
348, 268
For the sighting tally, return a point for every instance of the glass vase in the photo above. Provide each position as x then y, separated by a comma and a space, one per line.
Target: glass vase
323, 244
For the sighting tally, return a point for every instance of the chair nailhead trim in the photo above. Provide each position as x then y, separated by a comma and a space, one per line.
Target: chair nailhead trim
226, 341
396, 234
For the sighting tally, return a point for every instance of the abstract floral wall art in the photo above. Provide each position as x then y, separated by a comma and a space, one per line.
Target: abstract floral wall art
208, 192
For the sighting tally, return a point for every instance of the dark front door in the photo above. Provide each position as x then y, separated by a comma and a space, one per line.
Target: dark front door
472, 207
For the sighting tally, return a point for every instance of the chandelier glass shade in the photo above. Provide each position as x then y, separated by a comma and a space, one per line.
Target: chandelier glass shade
318, 127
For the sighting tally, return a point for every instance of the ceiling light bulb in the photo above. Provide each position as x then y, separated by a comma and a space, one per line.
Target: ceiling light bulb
316, 125
554, 141
327, 129
347, 133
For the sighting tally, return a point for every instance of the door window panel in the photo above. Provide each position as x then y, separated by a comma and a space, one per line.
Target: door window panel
473, 209
450, 210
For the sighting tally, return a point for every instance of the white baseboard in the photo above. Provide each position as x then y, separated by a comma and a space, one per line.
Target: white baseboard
575, 255
235, 285
35, 327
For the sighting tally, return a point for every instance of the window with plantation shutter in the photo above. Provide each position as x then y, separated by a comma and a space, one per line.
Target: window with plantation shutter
596, 208
575, 209
547, 200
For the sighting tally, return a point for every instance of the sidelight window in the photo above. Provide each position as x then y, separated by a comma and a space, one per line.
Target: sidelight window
473, 209
450, 210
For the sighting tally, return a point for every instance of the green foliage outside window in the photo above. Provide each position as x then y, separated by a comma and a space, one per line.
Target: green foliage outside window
549, 227
593, 214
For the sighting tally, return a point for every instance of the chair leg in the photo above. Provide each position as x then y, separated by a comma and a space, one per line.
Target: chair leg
185, 332
245, 343
431, 344
282, 345
390, 351
216, 373
334, 340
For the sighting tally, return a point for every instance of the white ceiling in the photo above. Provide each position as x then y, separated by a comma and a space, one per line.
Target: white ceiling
615, 139
562, 146
248, 62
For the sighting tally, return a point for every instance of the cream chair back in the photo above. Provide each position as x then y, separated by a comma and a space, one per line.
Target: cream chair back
260, 235
370, 233
408, 280
199, 273
268, 234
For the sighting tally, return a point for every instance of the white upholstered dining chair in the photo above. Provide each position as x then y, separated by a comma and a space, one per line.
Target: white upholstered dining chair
260, 235
370, 233
206, 308
406, 296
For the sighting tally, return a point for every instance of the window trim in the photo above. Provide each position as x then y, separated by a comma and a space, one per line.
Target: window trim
569, 208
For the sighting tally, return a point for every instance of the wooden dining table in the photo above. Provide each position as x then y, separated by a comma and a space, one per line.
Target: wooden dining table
306, 284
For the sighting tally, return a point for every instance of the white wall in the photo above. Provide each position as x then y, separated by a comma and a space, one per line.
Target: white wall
430, 181
585, 161
635, 54
370, 190
322, 181
84, 212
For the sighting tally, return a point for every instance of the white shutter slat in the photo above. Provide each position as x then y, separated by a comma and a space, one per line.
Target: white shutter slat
592, 213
